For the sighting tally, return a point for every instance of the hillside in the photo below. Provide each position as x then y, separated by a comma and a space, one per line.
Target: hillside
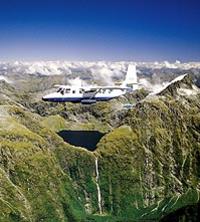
145, 168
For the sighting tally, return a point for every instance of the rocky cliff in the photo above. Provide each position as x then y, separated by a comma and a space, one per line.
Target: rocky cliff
146, 167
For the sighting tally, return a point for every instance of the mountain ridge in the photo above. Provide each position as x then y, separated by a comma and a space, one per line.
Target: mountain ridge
148, 161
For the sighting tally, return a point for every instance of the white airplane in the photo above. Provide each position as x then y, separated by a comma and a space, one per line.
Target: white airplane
93, 94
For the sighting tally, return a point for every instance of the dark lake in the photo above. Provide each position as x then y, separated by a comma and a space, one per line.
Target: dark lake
83, 138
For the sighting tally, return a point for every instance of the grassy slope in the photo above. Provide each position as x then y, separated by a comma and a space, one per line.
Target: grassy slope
150, 166
33, 185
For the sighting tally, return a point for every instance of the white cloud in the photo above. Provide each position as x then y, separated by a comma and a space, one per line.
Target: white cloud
101, 71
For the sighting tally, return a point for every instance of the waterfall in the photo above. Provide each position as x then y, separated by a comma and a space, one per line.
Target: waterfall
98, 187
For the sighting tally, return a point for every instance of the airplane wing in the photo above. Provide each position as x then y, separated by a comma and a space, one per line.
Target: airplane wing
104, 87
93, 88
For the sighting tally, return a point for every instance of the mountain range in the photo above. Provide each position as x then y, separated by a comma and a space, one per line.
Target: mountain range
144, 168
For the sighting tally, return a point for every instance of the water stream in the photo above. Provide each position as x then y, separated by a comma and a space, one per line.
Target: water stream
98, 187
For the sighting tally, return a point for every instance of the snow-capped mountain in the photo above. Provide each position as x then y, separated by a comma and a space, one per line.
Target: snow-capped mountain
104, 68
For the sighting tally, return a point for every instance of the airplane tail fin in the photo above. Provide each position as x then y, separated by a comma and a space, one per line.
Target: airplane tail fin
131, 77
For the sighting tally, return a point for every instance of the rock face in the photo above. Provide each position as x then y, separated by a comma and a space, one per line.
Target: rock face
33, 185
146, 167
181, 85
153, 160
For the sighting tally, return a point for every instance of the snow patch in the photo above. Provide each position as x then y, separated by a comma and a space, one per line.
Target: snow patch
188, 92
3, 78
159, 89
179, 78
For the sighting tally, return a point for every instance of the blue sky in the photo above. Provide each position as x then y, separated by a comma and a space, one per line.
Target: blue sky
140, 30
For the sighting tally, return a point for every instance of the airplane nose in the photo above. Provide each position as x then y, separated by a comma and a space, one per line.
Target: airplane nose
44, 98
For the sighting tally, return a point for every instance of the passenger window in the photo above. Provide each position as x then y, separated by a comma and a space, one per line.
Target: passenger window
74, 91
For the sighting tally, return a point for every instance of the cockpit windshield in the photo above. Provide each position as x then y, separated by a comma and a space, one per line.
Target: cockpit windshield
59, 90
64, 91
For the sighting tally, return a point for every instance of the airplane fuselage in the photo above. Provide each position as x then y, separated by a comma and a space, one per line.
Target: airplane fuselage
77, 95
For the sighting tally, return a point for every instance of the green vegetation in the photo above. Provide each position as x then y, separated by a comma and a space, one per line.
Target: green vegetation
148, 162
33, 185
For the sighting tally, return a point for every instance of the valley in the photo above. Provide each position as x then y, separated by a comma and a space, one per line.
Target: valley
70, 162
